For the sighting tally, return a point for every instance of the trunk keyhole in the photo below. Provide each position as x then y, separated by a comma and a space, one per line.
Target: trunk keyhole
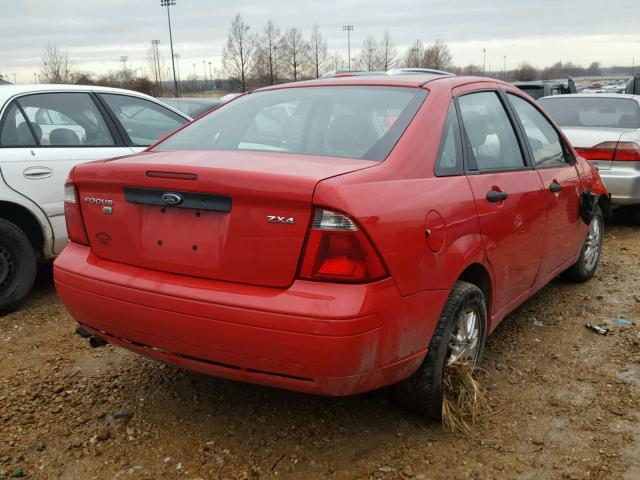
194, 247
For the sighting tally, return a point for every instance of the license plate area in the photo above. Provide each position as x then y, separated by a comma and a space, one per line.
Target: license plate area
181, 240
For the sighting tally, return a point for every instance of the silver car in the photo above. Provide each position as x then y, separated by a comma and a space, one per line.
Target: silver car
605, 129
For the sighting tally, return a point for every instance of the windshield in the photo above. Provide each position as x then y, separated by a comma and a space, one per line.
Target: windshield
576, 111
340, 121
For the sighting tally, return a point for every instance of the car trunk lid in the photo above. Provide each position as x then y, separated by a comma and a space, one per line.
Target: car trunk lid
225, 215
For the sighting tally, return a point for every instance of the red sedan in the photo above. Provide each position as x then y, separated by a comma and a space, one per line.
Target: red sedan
333, 236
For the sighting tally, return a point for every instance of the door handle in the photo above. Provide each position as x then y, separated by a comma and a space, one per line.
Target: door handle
495, 197
555, 187
37, 173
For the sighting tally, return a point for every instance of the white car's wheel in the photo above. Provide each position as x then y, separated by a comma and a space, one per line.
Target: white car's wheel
17, 266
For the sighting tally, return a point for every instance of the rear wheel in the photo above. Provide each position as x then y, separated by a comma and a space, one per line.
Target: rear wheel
459, 337
587, 263
18, 266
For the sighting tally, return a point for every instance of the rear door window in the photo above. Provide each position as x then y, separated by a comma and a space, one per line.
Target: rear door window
492, 140
544, 140
584, 111
66, 120
144, 121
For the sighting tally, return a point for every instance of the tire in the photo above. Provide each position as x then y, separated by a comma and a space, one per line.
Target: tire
422, 392
18, 266
587, 263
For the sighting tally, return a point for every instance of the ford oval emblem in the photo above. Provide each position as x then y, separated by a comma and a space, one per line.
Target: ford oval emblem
171, 198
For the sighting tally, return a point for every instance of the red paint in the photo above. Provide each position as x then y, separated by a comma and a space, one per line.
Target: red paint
225, 293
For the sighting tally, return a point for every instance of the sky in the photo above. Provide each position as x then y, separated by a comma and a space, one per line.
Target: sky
97, 34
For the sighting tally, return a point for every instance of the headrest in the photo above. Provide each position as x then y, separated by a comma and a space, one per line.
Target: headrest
63, 136
349, 133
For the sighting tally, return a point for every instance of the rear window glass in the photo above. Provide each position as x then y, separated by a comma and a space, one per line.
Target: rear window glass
339, 121
579, 111
534, 91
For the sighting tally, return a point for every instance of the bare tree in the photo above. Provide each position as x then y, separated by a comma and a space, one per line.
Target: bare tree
438, 56
56, 66
239, 52
295, 52
414, 56
525, 72
368, 57
269, 44
336, 62
318, 48
388, 52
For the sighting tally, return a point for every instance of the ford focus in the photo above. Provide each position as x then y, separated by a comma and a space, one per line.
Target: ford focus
333, 236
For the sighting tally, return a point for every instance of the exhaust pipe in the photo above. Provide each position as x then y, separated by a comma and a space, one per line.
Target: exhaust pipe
96, 342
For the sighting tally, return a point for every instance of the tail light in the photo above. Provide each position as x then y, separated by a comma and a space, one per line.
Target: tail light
73, 216
338, 251
612, 151
627, 152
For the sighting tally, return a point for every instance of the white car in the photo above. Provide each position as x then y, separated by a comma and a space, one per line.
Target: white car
44, 131
605, 129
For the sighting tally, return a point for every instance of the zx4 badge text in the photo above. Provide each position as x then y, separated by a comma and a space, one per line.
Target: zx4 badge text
279, 219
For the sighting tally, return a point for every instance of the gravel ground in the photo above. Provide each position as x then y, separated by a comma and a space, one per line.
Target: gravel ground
565, 401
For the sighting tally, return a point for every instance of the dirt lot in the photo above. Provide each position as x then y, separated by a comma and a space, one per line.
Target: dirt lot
566, 401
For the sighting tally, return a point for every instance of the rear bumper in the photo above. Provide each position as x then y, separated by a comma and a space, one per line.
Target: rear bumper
623, 181
312, 337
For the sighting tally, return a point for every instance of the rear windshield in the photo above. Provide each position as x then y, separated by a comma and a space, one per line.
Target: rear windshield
576, 111
535, 91
339, 121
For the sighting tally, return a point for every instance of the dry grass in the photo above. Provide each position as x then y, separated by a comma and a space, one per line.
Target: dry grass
463, 399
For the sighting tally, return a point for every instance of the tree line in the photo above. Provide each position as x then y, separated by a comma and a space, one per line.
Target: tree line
252, 59
273, 55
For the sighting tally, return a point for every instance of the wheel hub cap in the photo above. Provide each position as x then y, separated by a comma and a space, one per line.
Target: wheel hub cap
592, 245
465, 338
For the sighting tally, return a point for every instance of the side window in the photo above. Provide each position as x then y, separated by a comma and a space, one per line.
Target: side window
66, 120
449, 160
543, 139
144, 121
491, 136
15, 130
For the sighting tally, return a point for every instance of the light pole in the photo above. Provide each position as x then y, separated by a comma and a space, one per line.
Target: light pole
177, 57
156, 61
348, 29
204, 76
35, 77
210, 76
123, 60
504, 69
484, 62
167, 3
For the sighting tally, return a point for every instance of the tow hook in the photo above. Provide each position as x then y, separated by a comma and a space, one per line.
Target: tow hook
96, 342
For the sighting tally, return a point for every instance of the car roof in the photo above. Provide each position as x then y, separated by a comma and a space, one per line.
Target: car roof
196, 100
10, 91
415, 81
596, 95
539, 83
